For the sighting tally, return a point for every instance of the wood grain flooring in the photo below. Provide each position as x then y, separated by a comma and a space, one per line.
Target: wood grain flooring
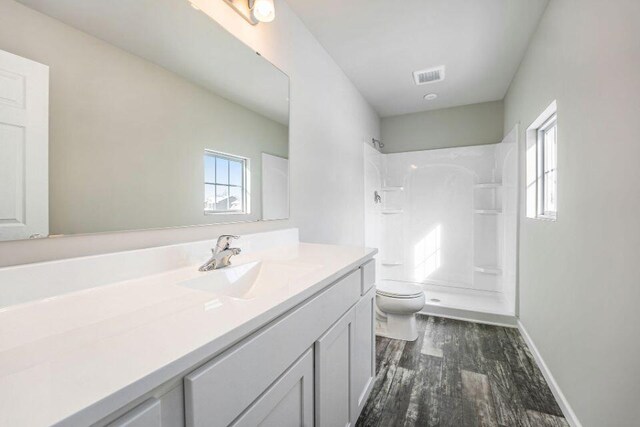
459, 374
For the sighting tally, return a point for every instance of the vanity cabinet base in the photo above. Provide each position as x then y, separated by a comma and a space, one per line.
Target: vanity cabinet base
313, 366
219, 391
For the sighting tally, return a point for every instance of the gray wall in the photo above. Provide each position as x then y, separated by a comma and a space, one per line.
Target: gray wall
127, 137
329, 122
474, 124
580, 276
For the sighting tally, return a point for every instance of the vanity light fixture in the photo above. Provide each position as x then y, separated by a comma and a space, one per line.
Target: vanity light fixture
254, 11
263, 10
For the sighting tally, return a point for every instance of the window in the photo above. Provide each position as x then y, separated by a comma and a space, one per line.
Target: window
225, 183
547, 168
542, 166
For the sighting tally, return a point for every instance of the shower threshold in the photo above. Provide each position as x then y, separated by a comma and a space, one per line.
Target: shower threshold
468, 304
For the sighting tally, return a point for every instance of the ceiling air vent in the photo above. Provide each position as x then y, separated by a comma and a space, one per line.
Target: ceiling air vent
429, 76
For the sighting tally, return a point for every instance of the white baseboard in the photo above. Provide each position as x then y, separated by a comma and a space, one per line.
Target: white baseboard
553, 385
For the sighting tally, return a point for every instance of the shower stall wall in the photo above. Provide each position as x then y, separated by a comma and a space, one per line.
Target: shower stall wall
447, 220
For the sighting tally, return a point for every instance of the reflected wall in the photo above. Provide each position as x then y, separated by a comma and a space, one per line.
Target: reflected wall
132, 115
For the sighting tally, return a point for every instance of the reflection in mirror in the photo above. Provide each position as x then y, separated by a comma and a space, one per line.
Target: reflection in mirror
225, 183
134, 115
275, 187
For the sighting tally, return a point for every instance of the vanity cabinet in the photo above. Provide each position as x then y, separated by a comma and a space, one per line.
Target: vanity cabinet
221, 390
314, 365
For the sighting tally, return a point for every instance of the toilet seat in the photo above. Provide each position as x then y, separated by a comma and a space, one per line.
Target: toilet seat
393, 289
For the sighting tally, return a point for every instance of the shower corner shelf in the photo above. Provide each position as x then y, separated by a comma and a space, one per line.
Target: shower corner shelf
488, 211
488, 269
391, 263
391, 211
392, 189
489, 185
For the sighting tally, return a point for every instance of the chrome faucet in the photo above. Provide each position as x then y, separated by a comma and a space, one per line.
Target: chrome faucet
221, 254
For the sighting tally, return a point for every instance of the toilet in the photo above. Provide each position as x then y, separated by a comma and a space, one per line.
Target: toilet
396, 306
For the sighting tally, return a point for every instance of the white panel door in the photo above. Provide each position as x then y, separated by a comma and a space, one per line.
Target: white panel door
275, 187
24, 143
334, 365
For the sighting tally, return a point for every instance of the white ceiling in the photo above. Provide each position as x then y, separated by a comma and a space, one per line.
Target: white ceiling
379, 43
172, 34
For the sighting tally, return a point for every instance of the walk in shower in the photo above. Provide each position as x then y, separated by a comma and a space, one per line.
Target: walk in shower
447, 219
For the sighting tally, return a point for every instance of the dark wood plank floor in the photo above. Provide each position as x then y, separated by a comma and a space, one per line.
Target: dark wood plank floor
459, 374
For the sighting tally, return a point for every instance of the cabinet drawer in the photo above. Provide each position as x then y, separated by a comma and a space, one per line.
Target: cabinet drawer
368, 275
216, 393
147, 414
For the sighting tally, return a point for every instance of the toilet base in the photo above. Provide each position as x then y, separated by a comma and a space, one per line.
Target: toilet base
397, 326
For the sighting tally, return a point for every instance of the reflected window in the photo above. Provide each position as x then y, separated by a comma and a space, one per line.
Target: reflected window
225, 183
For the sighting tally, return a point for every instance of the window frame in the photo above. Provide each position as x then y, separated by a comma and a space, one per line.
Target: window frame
534, 183
542, 210
244, 187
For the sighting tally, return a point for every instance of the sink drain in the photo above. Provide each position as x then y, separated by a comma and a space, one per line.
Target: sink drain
434, 300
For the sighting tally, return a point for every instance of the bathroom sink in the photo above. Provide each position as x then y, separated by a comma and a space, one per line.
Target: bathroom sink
250, 280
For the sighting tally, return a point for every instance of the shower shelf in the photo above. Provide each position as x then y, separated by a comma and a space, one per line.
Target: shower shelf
392, 188
391, 211
488, 269
488, 211
392, 263
489, 185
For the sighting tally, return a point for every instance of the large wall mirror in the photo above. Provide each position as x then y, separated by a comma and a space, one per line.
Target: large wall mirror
134, 114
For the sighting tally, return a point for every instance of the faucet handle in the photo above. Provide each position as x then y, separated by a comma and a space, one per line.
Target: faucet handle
224, 241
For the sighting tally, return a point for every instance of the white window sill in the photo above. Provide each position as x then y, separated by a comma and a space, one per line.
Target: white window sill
226, 213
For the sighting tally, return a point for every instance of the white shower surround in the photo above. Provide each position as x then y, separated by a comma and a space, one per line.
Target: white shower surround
448, 220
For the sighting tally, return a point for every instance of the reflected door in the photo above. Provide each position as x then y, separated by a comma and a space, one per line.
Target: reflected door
24, 113
275, 187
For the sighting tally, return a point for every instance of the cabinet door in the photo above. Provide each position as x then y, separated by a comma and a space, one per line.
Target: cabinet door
286, 403
147, 414
364, 369
334, 363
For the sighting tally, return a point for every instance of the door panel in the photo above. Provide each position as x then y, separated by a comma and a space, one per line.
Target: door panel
147, 414
364, 371
334, 363
288, 402
24, 123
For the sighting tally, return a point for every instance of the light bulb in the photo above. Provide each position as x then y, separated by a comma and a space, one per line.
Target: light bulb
264, 10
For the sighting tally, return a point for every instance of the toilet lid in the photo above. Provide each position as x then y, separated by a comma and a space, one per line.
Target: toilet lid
391, 288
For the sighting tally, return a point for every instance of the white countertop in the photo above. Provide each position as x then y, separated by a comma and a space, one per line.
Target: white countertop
77, 357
